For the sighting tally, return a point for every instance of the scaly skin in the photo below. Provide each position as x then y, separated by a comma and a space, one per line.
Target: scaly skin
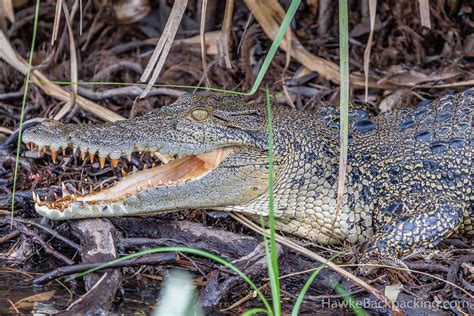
409, 180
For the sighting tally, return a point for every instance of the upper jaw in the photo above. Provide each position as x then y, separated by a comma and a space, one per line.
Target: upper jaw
155, 133
115, 140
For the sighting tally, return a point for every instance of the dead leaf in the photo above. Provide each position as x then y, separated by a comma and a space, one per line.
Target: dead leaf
6, 10
389, 102
372, 11
27, 302
392, 291
157, 60
413, 77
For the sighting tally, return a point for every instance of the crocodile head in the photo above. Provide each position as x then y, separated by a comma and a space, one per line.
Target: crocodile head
217, 149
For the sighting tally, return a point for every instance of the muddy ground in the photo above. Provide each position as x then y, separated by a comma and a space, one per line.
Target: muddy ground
111, 50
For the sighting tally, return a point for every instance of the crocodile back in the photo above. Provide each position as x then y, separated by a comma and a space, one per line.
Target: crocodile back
411, 153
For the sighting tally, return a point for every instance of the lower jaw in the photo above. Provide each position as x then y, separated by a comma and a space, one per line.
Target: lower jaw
189, 168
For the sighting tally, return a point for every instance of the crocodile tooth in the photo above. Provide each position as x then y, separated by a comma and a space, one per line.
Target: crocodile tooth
63, 150
83, 155
34, 196
124, 172
165, 158
101, 162
129, 157
145, 167
153, 165
91, 157
64, 189
115, 163
54, 155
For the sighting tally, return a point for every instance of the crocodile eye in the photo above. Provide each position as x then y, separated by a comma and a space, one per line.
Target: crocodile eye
200, 114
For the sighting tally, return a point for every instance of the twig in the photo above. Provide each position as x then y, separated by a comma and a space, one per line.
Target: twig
13, 307
202, 36
372, 11
11, 95
225, 33
25, 230
50, 231
6, 130
73, 62
9, 236
431, 267
162, 258
127, 91
122, 64
243, 299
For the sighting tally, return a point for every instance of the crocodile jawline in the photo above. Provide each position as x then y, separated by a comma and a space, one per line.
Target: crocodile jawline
175, 172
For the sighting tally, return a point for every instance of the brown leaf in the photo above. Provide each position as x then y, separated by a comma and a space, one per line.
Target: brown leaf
27, 302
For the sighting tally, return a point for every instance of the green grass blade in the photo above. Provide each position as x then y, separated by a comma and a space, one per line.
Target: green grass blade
272, 260
344, 68
192, 251
299, 299
344, 101
276, 43
349, 300
254, 311
23, 105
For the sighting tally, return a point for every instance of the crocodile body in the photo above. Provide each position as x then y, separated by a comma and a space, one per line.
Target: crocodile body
409, 180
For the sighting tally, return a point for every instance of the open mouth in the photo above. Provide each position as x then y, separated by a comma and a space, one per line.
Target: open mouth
166, 170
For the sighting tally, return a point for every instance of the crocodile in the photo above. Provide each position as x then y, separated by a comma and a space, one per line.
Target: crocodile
408, 186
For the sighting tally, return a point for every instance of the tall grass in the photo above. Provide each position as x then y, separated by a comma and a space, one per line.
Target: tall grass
23, 105
271, 254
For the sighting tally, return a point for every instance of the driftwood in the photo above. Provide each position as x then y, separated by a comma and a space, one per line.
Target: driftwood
98, 244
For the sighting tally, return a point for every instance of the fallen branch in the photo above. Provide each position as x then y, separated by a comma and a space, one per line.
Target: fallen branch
36, 238
161, 258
